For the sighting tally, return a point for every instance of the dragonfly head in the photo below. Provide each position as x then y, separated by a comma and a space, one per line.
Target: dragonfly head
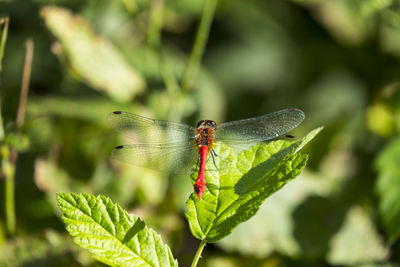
207, 124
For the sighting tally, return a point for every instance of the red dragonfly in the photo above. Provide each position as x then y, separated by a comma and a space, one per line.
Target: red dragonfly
170, 145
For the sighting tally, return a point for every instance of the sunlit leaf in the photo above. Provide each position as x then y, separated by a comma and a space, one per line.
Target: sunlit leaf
235, 193
110, 233
92, 58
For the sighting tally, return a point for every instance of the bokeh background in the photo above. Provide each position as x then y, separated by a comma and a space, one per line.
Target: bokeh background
338, 60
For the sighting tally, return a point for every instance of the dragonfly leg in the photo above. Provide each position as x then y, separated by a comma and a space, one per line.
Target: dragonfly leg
213, 151
213, 155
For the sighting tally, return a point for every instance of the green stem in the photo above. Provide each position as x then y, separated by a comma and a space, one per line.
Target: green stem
1, 124
198, 253
9, 162
6, 169
3, 37
9, 171
197, 52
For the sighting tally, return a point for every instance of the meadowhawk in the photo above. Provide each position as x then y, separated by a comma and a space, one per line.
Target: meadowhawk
169, 145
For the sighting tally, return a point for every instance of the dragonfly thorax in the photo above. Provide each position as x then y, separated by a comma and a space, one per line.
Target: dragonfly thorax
205, 132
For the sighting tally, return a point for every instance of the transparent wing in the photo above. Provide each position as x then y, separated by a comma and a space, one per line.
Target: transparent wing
259, 129
145, 130
174, 157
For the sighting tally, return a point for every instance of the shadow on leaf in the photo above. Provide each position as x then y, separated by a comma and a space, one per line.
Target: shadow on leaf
136, 228
251, 179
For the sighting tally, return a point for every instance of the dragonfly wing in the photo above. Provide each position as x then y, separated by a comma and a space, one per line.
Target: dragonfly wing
259, 129
176, 157
145, 130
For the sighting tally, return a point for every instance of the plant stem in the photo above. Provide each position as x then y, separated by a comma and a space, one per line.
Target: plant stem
26, 77
3, 37
1, 127
197, 52
9, 171
198, 253
9, 166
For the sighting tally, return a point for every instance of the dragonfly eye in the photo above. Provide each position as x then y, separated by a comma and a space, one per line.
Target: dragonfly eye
201, 123
213, 124
207, 123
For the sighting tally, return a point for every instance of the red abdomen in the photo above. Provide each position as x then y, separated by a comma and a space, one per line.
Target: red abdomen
200, 185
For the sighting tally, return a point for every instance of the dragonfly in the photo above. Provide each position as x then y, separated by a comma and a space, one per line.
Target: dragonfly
166, 145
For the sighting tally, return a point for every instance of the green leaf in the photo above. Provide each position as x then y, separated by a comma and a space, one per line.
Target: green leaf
388, 188
235, 192
110, 233
90, 57
273, 227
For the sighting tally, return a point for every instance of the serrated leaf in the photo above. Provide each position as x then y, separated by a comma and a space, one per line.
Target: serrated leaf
388, 188
235, 192
90, 57
273, 227
110, 233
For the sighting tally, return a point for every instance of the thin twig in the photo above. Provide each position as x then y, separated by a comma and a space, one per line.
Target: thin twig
26, 77
9, 169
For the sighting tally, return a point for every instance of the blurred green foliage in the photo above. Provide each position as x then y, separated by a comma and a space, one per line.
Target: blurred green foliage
336, 60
